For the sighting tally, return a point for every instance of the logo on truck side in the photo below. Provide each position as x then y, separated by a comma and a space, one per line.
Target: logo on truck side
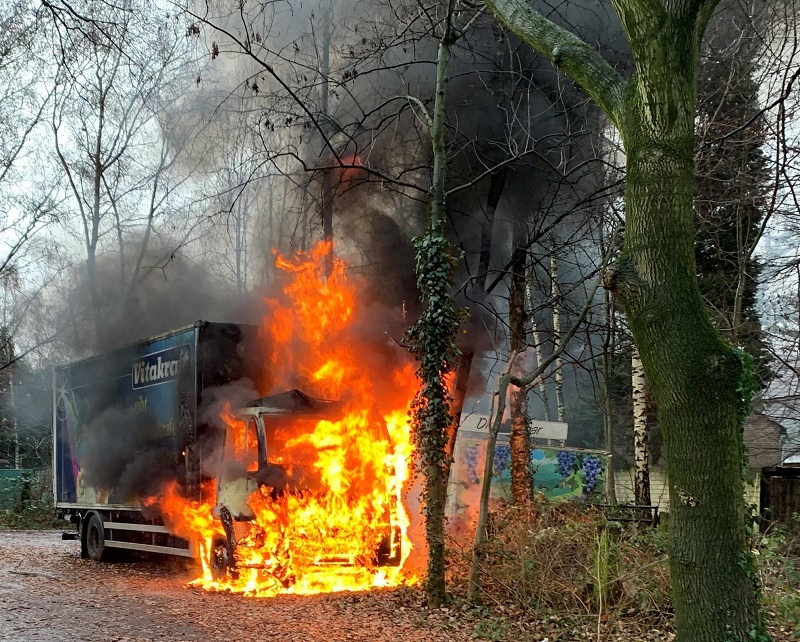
156, 368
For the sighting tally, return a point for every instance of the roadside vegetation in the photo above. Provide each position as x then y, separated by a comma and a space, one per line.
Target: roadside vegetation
564, 572
26, 502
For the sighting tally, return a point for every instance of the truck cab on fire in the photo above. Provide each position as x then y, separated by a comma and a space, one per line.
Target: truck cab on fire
126, 422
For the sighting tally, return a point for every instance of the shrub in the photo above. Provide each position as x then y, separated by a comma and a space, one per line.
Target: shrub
567, 558
29, 502
779, 570
565, 562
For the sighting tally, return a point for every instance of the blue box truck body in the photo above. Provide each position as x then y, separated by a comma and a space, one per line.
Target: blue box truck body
127, 421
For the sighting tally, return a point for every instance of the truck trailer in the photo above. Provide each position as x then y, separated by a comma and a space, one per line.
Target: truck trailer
131, 420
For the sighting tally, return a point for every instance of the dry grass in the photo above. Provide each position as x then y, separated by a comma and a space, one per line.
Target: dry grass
563, 572
566, 560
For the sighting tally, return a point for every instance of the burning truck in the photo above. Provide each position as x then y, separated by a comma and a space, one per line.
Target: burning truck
285, 492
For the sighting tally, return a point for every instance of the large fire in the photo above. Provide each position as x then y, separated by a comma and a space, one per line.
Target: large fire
339, 521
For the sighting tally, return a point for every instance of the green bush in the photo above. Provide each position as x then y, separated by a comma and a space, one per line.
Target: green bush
26, 501
780, 579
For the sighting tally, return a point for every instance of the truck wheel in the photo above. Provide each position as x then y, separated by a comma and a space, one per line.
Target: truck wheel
385, 556
95, 539
221, 559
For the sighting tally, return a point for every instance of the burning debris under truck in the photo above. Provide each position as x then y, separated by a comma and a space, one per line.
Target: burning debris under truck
283, 493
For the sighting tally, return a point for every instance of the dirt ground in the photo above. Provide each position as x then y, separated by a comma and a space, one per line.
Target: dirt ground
47, 593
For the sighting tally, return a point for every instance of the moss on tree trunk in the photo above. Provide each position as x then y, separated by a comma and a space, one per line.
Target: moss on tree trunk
699, 381
696, 377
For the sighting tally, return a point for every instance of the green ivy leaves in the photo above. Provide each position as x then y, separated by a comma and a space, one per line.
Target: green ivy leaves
432, 341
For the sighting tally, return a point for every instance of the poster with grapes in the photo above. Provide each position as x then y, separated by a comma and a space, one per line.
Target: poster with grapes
558, 473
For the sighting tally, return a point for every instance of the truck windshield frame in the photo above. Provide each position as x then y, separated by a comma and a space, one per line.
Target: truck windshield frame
242, 444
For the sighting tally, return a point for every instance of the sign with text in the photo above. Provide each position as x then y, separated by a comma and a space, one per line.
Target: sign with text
539, 429
474, 423
548, 429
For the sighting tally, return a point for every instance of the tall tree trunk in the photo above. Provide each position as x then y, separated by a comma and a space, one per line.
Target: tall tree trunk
695, 376
327, 176
91, 260
497, 182
537, 341
432, 338
519, 439
700, 384
14, 420
497, 179
460, 388
608, 414
94, 224
7, 368
555, 295
537, 346
640, 453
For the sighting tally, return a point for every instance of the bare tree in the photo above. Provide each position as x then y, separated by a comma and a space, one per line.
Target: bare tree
112, 130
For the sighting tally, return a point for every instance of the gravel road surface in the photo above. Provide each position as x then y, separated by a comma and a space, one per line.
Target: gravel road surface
47, 593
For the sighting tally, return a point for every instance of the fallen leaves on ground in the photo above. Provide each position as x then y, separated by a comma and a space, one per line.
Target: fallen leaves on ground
47, 593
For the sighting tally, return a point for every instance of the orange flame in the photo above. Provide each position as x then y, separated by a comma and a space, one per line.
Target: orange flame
341, 511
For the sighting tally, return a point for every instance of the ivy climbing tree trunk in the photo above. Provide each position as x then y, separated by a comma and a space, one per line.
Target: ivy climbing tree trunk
432, 338
701, 385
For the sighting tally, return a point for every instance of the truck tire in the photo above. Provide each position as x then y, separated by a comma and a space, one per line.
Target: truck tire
385, 556
221, 559
96, 539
